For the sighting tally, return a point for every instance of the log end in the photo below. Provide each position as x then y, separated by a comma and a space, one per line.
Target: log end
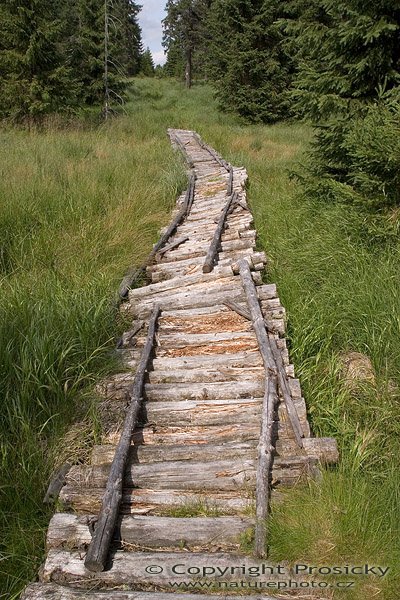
207, 268
94, 565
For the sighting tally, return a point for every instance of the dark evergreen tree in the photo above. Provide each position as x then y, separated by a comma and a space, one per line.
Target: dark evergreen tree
52, 54
183, 34
37, 77
147, 64
348, 54
248, 61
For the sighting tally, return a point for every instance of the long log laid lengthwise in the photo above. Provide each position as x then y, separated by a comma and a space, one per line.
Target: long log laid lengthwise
264, 465
266, 350
97, 553
184, 211
213, 249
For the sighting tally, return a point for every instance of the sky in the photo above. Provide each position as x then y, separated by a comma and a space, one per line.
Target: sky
150, 21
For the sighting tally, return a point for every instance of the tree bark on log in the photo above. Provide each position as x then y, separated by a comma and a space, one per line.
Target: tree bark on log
213, 249
266, 350
98, 550
264, 465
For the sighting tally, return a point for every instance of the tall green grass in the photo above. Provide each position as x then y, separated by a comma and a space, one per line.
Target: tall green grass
78, 206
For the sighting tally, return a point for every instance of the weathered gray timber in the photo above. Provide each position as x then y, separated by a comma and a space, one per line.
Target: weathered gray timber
264, 464
51, 591
266, 350
98, 550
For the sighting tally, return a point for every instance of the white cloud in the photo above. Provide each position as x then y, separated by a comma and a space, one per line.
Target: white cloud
159, 57
150, 18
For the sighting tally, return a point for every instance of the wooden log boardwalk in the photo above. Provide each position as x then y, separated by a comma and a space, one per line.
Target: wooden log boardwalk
201, 430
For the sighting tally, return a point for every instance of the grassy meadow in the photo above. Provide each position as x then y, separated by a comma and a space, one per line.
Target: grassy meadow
78, 206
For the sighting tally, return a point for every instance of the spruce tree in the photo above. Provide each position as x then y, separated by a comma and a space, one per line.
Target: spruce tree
348, 55
248, 62
183, 28
36, 76
147, 64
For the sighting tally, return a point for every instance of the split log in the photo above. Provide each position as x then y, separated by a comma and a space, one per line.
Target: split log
161, 392
142, 502
266, 350
143, 453
98, 550
218, 475
51, 591
72, 531
213, 249
129, 569
206, 375
203, 412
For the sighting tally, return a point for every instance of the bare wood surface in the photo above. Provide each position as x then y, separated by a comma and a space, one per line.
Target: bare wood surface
98, 550
67, 530
52, 591
129, 568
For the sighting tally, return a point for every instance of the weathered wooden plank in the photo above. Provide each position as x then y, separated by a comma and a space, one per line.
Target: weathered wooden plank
181, 340
172, 245
239, 360
51, 591
207, 375
188, 299
129, 568
143, 502
98, 550
70, 531
199, 279
205, 451
160, 392
187, 435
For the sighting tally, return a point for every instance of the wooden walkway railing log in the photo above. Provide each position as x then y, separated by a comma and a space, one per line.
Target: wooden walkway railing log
202, 428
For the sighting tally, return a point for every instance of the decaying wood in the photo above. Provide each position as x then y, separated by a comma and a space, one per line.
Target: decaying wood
129, 568
173, 245
264, 464
213, 249
98, 550
56, 483
51, 591
266, 350
142, 502
71, 531
230, 182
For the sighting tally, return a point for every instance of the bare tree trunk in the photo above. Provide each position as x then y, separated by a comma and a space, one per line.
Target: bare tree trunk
188, 70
